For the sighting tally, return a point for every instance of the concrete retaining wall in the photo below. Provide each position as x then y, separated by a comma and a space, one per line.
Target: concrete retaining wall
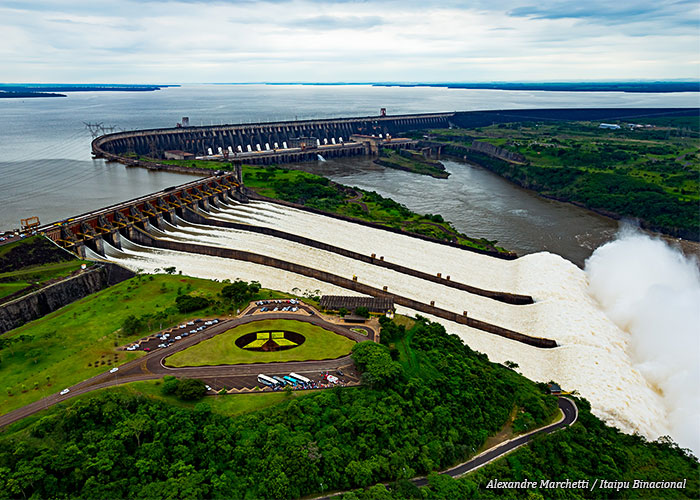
505, 256
509, 298
42, 302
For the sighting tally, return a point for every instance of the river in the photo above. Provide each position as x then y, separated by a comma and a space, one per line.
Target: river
46, 169
482, 204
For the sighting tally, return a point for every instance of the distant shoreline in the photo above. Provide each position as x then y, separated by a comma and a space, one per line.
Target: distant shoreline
9, 91
22, 95
631, 87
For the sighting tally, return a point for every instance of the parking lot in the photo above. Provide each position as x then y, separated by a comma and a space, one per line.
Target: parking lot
277, 305
249, 383
169, 336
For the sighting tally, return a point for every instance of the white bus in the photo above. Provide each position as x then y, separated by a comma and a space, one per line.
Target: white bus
264, 379
300, 378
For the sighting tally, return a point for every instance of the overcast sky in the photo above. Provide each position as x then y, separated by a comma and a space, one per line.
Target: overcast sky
142, 41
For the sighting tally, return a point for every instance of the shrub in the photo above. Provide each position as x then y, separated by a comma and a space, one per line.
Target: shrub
132, 324
362, 311
188, 303
170, 384
190, 389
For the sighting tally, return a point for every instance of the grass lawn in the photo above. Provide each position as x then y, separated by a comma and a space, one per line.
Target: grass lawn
222, 349
228, 404
12, 281
10, 288
53, 352
414, 364
361, 331
44, 272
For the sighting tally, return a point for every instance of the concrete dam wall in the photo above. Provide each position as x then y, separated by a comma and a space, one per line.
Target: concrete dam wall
264, 139
42, 302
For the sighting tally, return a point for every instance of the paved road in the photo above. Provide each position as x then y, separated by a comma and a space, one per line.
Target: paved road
569, 416
152, 366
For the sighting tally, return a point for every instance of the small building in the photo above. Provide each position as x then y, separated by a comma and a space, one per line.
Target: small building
354, 318
554, 388
176, 154
373, 304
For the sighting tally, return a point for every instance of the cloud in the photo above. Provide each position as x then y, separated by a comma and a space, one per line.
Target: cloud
336, 22
613, 13
345, 40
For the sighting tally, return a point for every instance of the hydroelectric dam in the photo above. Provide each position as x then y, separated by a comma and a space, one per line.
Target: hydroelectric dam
303, 140
218, 219
266, 143
535, 310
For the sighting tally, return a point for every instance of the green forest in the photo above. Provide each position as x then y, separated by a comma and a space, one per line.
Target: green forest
427, 402
647, 171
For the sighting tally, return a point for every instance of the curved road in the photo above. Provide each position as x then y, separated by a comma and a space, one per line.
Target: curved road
152, 366
569, 416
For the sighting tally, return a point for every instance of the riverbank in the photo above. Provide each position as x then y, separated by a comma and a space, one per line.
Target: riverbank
22, 95
646, 171
411, 161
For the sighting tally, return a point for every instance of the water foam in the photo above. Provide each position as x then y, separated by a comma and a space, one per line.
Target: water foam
652, 292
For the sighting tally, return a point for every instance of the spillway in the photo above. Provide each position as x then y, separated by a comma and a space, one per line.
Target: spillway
592, 357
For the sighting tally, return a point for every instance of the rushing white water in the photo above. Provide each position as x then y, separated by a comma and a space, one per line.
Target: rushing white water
135, 257
652, 291
594, 356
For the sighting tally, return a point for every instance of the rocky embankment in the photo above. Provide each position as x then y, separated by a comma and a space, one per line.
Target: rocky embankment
37, 304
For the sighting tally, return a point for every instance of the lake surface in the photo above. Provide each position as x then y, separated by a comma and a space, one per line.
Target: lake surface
46, 169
